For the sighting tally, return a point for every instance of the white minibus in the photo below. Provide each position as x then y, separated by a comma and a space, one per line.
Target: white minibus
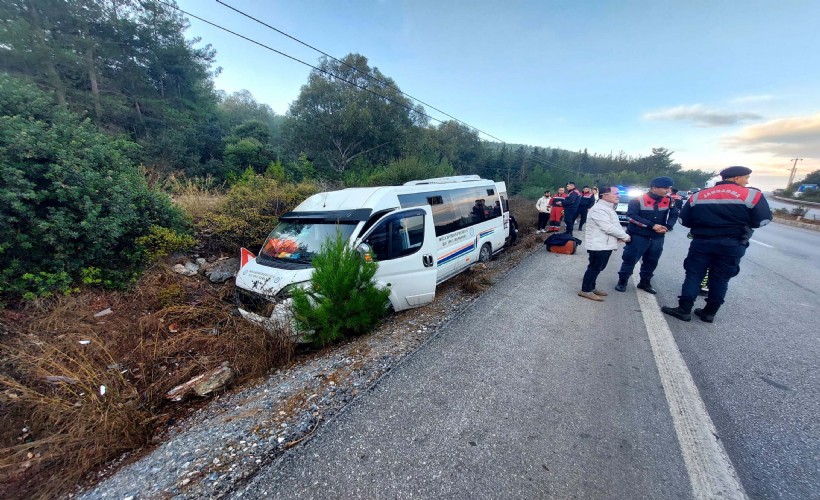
421, 234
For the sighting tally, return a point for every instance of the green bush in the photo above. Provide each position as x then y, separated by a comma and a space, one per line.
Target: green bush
811, 195
162, 241
535, 192
409, 169
42, 284
249, 212
343, 299
72, 198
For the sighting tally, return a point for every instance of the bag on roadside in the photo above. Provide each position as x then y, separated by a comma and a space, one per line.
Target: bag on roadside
562, 243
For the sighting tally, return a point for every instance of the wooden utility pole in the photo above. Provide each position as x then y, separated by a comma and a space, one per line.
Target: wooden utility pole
794, 171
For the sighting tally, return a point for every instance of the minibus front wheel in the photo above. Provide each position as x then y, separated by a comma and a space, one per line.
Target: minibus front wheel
486, 253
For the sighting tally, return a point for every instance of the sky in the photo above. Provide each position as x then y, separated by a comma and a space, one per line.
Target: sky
718, 82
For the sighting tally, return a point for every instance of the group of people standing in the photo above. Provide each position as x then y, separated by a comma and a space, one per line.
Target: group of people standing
721, 220
568, 204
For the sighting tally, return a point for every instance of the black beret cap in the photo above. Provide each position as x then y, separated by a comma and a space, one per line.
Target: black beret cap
728, 173
661, 182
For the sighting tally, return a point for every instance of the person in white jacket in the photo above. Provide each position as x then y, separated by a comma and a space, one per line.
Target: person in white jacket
543, 207
602, 234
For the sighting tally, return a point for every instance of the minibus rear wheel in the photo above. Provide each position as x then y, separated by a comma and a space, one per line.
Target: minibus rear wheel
485, 254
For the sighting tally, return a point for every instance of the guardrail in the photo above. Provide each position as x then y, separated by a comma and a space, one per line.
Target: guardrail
796, 202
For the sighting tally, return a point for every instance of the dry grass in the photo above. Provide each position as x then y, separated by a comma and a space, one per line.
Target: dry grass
77, 391
525, 214
198, 205
197, 197
66, 409
475, 280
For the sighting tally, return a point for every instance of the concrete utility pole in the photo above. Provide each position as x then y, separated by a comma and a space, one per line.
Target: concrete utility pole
794, 171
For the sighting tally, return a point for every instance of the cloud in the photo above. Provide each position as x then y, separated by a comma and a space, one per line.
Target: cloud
702, 116
747, 99
793, 137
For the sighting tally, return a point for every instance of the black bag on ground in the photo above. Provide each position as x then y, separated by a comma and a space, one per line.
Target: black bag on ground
562, 243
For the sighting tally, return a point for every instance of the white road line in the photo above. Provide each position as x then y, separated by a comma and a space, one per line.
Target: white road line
764, 244
710, 470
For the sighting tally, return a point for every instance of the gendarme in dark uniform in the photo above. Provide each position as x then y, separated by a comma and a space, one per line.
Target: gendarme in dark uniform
721, 219
651, 216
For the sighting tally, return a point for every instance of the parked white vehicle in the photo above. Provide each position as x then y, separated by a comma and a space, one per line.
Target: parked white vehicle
421, 234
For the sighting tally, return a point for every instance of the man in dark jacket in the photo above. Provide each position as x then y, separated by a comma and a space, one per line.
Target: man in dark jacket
722, 219
651, 216
587, 200
676, 198
571, 204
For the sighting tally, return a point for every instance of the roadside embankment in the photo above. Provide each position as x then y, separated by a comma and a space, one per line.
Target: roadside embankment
796, 202
794, 223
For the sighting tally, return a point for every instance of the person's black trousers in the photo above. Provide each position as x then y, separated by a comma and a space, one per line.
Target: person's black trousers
647, 250
721, 259
598, 260
582, 217
543, 220
569, 220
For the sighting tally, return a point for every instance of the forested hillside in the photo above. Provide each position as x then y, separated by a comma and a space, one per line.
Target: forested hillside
104, 101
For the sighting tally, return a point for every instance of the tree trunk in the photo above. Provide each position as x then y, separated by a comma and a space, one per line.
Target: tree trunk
51, 70
92, 78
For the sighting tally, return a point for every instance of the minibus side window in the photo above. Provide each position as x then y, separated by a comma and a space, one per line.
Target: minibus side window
455, 209
397, 237
372, 220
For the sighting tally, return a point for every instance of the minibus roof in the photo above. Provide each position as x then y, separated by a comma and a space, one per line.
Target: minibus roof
382, 197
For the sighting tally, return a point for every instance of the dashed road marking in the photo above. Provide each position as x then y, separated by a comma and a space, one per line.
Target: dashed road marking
710, 470
761, 243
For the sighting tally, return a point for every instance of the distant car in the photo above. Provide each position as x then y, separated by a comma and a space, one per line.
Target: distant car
626, 193
623, 204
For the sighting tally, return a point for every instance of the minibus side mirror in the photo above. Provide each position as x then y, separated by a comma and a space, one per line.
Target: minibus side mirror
365, 252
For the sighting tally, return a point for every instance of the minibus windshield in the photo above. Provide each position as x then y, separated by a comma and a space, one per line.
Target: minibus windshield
295, 241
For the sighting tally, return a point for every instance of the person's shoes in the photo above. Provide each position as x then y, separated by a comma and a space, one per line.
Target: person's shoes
621, 286
590, 296
704, 316
646, 287
600, 293
677, 312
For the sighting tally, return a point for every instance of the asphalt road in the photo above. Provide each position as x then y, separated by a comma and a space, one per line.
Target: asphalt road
535, 392
756, 367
